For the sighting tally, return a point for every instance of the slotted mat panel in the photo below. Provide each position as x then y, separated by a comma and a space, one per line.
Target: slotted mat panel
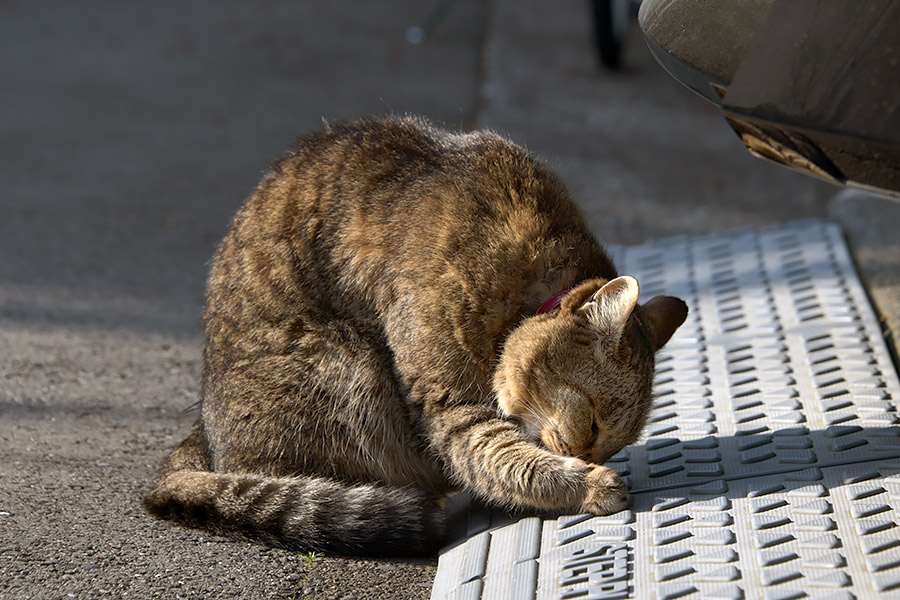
770, 467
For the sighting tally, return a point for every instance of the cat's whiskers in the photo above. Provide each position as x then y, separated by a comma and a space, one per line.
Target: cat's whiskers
535, 410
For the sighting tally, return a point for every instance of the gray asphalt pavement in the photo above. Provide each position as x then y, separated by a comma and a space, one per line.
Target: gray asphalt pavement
129, 135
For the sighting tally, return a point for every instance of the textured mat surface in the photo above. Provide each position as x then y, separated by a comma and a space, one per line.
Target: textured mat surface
770, 467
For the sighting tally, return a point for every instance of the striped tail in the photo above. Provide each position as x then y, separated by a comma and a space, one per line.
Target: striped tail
300, 513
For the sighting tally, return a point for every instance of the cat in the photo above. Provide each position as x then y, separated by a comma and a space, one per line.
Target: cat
379, 335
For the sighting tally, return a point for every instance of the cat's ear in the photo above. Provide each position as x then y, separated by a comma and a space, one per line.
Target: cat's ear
609, 308
666, 314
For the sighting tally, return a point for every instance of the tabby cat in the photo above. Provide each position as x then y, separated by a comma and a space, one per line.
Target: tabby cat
378, 336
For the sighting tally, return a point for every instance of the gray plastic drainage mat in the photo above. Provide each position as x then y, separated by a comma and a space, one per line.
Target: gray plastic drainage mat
770, 467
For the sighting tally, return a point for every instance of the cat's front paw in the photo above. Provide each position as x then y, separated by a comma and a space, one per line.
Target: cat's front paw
606, 492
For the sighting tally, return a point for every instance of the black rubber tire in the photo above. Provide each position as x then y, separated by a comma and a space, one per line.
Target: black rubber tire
609, 47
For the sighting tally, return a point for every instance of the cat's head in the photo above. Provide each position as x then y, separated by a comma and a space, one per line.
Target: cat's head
579, 379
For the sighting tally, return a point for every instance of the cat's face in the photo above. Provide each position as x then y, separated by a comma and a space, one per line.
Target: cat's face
579, 379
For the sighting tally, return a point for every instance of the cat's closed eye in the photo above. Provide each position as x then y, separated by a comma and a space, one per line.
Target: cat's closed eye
595, 431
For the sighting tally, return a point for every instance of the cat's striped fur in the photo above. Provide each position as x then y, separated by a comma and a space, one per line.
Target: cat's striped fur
299, 512
370, 347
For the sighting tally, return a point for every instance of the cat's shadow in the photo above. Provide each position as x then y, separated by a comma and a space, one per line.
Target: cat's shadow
868, 453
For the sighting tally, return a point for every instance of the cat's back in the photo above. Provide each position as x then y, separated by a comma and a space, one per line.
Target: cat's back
403, 167
366, 208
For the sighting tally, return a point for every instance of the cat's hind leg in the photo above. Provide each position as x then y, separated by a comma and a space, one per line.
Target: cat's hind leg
331, 407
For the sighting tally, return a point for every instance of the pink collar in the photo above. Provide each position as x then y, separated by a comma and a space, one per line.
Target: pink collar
552, 303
